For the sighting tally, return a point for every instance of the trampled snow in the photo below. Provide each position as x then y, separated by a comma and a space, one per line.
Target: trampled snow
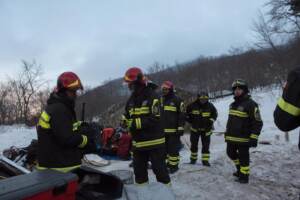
274, 168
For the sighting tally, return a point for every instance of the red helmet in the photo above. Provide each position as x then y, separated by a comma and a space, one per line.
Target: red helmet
168, 85
69, 80
134, 74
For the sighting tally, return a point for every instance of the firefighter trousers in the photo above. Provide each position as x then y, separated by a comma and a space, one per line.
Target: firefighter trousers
205, 140
172, 150
239, 154
159, 167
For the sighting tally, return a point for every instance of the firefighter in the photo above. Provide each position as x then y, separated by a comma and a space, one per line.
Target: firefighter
60, 147
287, 112
201, 115
172, 119
142, 112
243, 128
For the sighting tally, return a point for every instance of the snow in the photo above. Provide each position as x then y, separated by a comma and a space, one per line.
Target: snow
274, 169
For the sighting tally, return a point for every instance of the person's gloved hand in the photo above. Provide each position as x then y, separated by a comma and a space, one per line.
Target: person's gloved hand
253, 142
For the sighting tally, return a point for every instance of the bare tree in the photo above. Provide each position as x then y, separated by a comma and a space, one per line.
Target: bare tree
25, 86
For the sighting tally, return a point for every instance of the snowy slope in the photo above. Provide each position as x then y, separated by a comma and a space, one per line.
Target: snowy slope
275, 168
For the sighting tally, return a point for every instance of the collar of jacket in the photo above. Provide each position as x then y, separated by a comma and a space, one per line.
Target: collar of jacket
242, 98
60, 97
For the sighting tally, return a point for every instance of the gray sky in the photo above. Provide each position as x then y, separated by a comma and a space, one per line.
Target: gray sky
100, 39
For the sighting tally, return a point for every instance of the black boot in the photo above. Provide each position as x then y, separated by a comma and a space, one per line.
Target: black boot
243, 178
173, 169
205, 163
193, 162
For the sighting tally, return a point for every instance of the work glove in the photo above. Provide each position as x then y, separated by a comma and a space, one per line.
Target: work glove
253, 143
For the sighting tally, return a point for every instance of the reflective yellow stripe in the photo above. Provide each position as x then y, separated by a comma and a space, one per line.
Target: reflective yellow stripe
64, 169
206, 114
84, 141
76, 125
139, 111
254, 136
236, 162
205, 157
170, 130
236, 139
155, 108
211, 119
173, 163
44, 124
180, 128
194, 155
193, 129
138, 123
289, 108
195, 112
44, 120
170, 108
245, 170
238, 113
45, 116
208, 133
148, 143
173, 158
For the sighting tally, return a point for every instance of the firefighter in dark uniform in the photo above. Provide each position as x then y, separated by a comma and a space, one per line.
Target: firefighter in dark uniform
60, 146
287, 112
243, 128
172, 119
201, 115
142, 112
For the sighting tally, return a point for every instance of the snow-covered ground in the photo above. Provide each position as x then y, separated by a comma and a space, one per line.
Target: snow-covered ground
275, 168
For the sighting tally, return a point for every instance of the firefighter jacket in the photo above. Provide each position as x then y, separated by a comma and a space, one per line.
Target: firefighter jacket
201, 116
287, 111
142, 113
172, 114
59, 144
244, 122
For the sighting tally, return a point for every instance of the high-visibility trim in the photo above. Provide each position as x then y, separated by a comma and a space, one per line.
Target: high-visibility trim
238, 113
180, 128
205, 156
236, 162
45, 116
148, 143
170, 108
174, 163
206, 114
129, 123
44, 124
194, 153
254, 136
288, 107
195, 112
139, 111
212, 119
236, 139
84, 141
245, 170
208, 133
170, 130
138, 123
193, 129
44, 120
155, 108
173, 158
194, 157
76, 125
63, 169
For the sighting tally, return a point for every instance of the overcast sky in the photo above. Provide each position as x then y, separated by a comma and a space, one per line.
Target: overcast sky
100, 39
